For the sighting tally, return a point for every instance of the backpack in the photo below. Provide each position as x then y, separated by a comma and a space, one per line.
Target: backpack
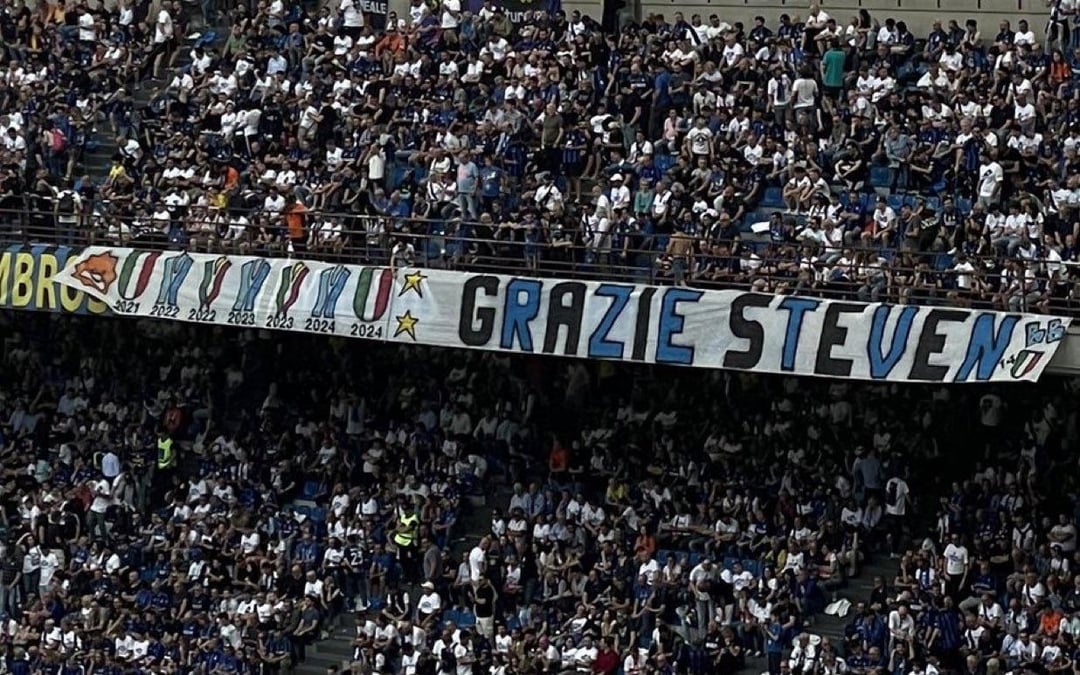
448, 660
892, 493
58, 140
66, 203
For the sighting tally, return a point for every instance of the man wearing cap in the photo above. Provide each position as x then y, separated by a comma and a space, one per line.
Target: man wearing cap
429, 606
620, 193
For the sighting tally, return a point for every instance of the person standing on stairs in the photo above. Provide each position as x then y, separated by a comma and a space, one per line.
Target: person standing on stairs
405, 538
956, 563
484, 599
896, 502
67, 207
164, 41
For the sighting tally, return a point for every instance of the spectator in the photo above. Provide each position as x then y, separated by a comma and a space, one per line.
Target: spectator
325, 110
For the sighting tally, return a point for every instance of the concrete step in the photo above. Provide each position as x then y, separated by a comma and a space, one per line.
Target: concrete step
831, 627
334, 646
332, 650
318, 664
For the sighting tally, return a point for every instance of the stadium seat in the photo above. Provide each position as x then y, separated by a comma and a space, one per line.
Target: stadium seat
397, 176
466, 619
664, 162
753, 566
895, 201
963, 205
313, 489
943, 261
880, 177
773, 198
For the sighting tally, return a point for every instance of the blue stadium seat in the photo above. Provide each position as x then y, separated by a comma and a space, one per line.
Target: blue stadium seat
773, 198
755, 217
868, 201
312, 490
662, 556
934, 202
729, 561
753, 566
943, 261
911, 200
880, 177
466, 619
397, 176
963, 205
695, 557
895, 201
664, 162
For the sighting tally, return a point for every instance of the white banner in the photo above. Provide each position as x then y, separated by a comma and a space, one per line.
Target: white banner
595, 320
304, 296
729, 329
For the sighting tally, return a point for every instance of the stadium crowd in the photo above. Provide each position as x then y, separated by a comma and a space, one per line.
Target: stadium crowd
695, 149
183, 500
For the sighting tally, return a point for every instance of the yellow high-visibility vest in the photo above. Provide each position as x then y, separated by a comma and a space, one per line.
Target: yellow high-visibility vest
165, 455
406, 535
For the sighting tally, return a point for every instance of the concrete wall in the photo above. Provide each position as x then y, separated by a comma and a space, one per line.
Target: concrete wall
918, 14
1066, 360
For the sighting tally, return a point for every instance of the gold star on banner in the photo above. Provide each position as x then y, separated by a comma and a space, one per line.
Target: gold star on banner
412, 283
406, 323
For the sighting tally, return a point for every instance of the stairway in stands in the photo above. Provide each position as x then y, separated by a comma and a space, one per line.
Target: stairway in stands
334, 651
97, 162
858, 590
336, 648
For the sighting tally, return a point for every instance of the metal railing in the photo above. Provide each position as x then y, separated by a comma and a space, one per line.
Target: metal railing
751, 262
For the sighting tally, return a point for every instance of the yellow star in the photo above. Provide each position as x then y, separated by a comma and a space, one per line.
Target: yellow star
412, 283
406, 323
